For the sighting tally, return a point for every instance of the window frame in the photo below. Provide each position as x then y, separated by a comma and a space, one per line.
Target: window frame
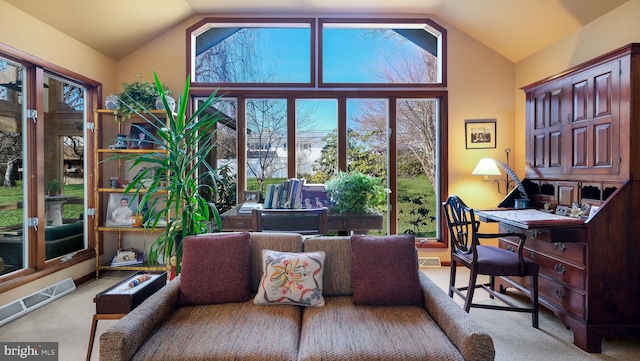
316, 89
199, 27
37, 266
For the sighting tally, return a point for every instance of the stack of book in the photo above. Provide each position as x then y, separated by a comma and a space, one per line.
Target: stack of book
248, 207
127, 257
295, 194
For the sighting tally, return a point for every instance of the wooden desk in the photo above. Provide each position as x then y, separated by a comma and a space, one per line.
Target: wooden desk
232, 220
588, 269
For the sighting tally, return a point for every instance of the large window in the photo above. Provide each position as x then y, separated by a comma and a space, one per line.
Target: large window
43, 158
347, 95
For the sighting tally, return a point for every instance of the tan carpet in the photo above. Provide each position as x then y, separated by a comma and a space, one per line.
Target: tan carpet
68, 321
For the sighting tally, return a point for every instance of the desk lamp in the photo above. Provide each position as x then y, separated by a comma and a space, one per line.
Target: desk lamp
489, 166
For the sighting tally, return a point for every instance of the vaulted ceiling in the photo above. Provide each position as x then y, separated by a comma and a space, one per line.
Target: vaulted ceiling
513, 28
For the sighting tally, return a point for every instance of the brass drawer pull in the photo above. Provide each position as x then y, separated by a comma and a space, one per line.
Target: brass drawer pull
533, 255
560, 246
560, 294
510, 248
560, 269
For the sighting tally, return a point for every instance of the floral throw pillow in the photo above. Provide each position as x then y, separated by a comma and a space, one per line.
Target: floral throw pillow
291, 278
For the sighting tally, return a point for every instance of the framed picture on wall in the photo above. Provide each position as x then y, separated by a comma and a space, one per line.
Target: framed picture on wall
480, 133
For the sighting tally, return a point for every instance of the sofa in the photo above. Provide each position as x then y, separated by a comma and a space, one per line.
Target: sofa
359, 298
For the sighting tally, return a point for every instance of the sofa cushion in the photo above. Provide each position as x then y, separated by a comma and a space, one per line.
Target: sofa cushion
385, 270
277, 241
215, 269
291, 278
230, 331
337, 266
342, 331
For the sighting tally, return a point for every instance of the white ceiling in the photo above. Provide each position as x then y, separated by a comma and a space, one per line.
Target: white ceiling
513, 28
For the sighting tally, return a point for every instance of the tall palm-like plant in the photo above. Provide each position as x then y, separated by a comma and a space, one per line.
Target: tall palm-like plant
176, 174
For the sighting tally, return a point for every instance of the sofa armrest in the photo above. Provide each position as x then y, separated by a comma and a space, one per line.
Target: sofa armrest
121, 341
463, 331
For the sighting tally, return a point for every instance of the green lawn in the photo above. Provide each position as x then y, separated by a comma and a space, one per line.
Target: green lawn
11, 212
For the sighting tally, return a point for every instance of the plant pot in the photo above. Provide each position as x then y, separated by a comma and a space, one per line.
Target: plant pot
170, 101
111, 102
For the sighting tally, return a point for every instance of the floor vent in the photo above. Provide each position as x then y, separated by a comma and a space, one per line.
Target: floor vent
429, 261
31, 302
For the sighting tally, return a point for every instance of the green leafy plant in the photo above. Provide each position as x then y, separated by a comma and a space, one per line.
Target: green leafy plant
418, 215
356, 192
53, 186
177, 174
139, 96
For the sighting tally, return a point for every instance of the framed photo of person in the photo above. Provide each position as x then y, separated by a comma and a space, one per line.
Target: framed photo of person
138, 139
120, 210
480, 133
251, 196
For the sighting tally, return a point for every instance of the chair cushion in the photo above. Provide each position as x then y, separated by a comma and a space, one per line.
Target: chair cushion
500, 262
385, 270
216, 268
291, 278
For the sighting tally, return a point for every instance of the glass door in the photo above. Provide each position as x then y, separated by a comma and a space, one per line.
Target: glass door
13, 247
64, 154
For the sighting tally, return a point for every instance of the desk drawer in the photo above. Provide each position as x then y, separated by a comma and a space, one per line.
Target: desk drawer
237, 224
554, 268
565, 244
558, 295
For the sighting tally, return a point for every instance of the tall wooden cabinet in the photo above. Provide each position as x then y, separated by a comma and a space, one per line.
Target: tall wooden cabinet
583, 146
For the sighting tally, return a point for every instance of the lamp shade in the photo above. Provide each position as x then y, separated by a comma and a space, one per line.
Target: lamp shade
486, 166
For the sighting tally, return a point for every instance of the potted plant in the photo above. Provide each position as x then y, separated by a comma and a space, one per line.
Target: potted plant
139, 96
176, 174
53, 187
356, 192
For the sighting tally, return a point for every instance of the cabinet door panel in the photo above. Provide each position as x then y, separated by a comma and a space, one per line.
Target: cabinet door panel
602, 142
580, 94
580, 151
538, 151
555, 107
555, 150
602, 95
